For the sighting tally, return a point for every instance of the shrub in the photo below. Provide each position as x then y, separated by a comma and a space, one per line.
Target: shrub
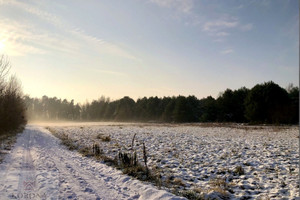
106, 139
12, 106
68, 143
96, 150
128, 160
239, 170
85, 151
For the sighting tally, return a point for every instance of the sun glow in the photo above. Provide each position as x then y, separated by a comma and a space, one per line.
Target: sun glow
2, 46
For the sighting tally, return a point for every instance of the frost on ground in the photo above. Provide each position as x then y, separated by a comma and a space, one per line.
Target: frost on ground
6, 143
39, 167
236, 162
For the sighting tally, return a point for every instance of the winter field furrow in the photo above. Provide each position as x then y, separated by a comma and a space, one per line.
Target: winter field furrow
236, 162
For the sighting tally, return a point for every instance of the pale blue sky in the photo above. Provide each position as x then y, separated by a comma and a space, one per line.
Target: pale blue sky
80, 50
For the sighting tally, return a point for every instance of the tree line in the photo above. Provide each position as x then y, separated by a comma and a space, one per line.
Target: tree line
12, 107
264, 103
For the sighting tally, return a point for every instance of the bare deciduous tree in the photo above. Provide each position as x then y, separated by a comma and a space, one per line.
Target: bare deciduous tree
12, 107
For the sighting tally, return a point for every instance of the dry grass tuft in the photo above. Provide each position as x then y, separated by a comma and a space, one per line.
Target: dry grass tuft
179, 182
7, 141
104, 138
239, 170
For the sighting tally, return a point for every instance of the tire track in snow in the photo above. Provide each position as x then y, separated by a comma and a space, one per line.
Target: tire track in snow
62, 174
10, 173
70, 183
83, 176
76, 178
27, 170
18, 175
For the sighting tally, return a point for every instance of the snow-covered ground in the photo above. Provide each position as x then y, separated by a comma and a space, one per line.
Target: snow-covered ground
239, 161
38, 167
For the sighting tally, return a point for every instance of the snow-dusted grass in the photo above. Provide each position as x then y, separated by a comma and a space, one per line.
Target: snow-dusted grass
233, 161
39, 167
7, 140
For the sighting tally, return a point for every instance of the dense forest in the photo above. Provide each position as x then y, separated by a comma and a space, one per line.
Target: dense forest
264, 103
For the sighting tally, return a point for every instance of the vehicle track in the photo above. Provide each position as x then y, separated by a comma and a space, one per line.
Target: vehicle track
39, 167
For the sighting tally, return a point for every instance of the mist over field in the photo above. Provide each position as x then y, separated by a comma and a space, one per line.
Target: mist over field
264, 103
149, 99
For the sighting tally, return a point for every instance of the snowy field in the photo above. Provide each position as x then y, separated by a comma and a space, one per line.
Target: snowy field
39, 167
233, 161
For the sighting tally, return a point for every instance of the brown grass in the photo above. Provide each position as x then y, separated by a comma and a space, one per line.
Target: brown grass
104, 138
239, 170
7, 141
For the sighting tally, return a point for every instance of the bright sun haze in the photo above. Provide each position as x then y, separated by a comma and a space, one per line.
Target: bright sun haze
84, 49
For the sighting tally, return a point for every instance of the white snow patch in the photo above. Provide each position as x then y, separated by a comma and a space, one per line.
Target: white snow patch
198, 155
40, 168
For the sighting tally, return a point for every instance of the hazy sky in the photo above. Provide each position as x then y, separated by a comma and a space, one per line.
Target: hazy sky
82, 49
